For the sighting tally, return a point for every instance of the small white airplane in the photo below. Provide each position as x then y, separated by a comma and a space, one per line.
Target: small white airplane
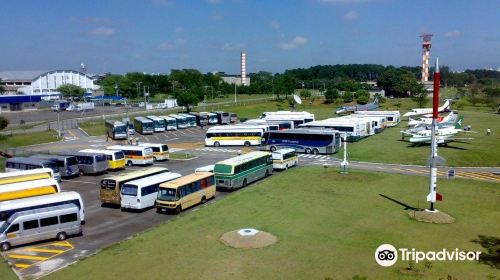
427, 111
443, 135
449, 120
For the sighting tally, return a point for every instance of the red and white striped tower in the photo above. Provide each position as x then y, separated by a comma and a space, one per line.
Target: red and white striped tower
426, 55
243, 68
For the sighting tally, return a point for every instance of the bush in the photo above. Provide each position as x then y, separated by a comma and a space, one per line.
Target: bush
4, 122
348, 96
462, 103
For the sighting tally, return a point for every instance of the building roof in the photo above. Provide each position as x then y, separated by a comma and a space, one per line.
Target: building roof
21, 75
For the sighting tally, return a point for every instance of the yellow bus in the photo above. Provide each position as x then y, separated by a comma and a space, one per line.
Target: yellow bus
26, 175
182, 193
116, 159
160, 151
28, 189
111, 186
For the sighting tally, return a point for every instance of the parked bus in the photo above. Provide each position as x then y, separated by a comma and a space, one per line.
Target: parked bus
393, 117
111, 186
135, 155
201, 118
142, 193
116, 130
354, 130
234, 135
28, 189
273, 125
131, 129
158, 123
181, 121
233, 118
222, 117
185, 192
190, 119
212, 118
10, 207
242, 170
171, 123
160, 151
303, 140
41, 224
116, 159
297, 117
67, 165
379, 123
22, 163
284, 158
89, 163
26, 175
143, 125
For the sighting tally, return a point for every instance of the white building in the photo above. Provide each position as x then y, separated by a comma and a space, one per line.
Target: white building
44, 82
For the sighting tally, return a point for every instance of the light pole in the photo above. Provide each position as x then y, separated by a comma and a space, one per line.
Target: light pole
344, 164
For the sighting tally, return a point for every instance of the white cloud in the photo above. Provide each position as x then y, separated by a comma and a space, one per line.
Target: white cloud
214, 1
351, 16
167, 46
275, 24
102, 31
453, 33
296, 42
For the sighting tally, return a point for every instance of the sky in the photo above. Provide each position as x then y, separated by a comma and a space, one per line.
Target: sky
156, 36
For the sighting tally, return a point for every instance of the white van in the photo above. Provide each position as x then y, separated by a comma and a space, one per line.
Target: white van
142, 193
40, 224
284, 158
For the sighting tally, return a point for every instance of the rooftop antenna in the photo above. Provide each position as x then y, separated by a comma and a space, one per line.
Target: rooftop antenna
296, 100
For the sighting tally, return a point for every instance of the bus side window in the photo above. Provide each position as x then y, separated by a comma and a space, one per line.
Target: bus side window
30, 224
13, 228
68, 218
50, 221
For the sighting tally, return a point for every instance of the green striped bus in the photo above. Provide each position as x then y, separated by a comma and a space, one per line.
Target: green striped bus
242, 170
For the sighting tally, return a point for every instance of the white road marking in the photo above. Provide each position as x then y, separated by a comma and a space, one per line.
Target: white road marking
83, 182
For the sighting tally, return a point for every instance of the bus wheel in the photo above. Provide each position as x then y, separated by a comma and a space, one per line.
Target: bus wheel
315, 151
129, 163
247, 144
203, 200
286, 167
154, 159
308, 151
61, 236
216, 144
5, 246
178, 209
245, 182
273, 148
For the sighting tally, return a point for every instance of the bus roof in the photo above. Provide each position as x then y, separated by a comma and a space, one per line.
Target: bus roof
155, 179
106, 152
43, 210
156, 118
26, 175
284, 151
30, 160
151, 144
244, 158
29, 185
186, 180
78, 154
236, 127
50, 157
304, 131
38, 200
142, 119
175, 116
114, 122
126, 147
167, 118
135, 173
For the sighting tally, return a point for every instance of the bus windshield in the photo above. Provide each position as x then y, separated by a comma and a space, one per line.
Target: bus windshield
147, 125
99, 158
129, 190
4, 227
119, 155
121, 129
167, 194
52, 166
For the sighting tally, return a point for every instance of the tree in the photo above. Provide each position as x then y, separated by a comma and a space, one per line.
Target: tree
348, 96
362, 96
305, 93
71, 91
4, 122
419, 94
188, 98
331, 94
397, 82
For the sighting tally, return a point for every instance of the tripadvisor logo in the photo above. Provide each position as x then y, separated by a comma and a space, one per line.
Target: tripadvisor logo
387, 255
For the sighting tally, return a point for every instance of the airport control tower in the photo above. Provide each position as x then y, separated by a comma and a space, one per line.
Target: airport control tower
426, 55
243, 68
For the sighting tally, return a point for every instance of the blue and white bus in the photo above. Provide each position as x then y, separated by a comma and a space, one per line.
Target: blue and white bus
303, 140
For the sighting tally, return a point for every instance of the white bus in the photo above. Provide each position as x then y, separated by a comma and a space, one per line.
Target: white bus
143, 125
190, 119
284, 158
212, 118
28, 189
26, 175
297, 117
142, 193
116, 130
393, 117
354, 130
281, 125
160, 151
10, 207
181, 121
171, 123
116, 159
135, 155
234, 135
22, 163
378, 123
158, 123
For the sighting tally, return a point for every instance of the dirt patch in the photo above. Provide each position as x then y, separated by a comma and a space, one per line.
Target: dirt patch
436, 217
258, 240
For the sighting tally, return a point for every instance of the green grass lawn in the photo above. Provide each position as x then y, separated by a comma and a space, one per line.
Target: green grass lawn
328, 226
32, 138
95, 128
